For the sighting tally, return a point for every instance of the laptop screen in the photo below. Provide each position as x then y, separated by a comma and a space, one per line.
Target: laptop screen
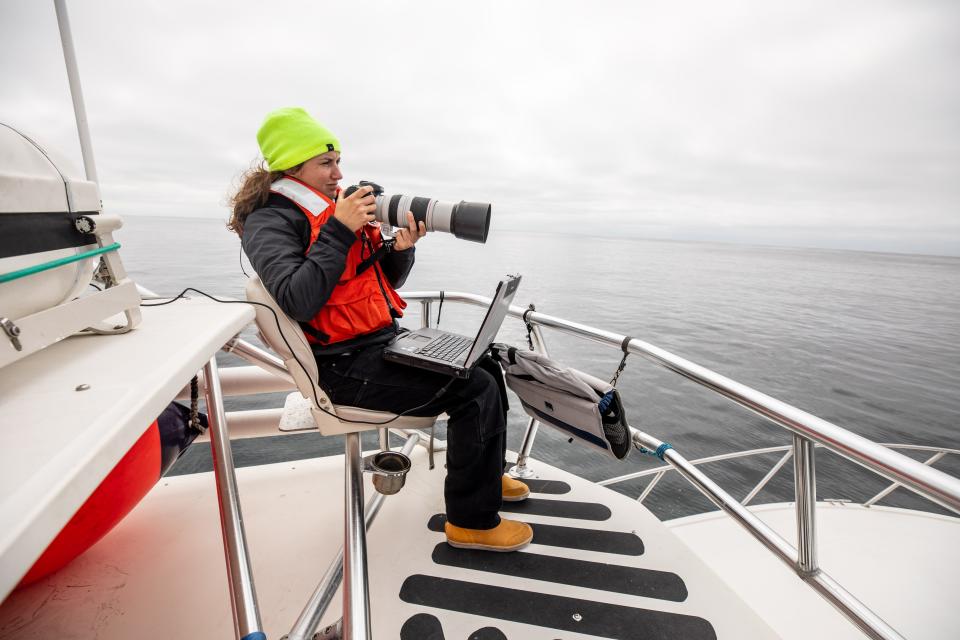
496, 313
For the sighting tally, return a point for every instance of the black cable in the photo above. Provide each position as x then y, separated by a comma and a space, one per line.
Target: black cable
241, 262
276, 319
440, 309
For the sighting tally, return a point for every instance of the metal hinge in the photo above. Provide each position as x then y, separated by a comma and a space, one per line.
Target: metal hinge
12, 331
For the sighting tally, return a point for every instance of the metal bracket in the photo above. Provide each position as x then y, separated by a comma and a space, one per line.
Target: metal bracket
12, 331
330, 632
102, 274
85, 224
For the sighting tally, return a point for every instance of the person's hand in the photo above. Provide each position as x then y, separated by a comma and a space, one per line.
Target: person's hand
406, 238
356, 209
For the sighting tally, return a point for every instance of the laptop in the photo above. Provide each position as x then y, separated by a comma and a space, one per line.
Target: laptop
452, 353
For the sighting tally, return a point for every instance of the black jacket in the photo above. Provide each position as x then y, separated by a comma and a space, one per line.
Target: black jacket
275, 239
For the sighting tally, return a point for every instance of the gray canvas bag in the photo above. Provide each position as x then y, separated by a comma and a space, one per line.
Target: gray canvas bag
576, 403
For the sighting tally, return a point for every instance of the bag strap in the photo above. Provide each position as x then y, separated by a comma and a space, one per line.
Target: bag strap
526, 321
624, 345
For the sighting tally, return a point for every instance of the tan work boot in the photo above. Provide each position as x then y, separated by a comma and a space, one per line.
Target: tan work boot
514, 490
509, 535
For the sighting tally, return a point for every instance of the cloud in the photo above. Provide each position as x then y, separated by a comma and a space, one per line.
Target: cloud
692, 117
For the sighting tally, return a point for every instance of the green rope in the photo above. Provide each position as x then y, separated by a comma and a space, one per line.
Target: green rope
53, 264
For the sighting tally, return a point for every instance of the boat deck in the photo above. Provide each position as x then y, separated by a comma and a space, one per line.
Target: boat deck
600, 566
899, 562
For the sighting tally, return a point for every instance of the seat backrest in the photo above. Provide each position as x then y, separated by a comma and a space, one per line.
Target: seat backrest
295, 351
298, 357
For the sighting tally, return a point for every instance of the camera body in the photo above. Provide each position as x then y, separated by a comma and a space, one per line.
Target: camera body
465, 220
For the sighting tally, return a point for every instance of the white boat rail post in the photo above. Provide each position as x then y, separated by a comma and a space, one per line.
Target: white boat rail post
356, 589
243, 596
76, 92
805, 490
319, 602
928, 462
108, 224
521, 470
661, 470
767, 478
658, 472
858, 613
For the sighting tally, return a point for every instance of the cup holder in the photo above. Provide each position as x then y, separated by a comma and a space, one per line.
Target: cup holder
389, 469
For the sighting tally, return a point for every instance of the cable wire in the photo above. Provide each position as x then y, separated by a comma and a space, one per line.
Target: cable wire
276, 319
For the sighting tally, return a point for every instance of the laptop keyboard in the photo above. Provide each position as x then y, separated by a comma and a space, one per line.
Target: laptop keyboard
446, 347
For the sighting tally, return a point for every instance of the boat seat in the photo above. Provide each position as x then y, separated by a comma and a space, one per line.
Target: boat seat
298, 357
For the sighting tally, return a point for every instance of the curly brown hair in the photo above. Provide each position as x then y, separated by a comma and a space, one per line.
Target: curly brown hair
253, 193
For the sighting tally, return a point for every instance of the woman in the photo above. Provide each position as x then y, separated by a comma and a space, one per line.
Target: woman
322, 258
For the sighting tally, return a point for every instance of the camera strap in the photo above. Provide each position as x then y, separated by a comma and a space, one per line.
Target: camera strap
376, 256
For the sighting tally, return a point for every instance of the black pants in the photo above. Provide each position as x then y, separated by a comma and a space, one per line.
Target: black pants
476, 430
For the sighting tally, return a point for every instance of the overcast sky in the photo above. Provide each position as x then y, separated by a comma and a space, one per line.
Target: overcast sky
813, 123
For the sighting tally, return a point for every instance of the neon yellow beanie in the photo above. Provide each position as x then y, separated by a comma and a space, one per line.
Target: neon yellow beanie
290, 136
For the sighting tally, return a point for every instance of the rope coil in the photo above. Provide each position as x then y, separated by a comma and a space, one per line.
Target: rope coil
194, 404
660, 451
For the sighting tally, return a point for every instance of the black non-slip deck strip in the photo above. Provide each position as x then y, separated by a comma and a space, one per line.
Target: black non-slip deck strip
589, 617
422, 626
625, 544
488, 633
559, 509
604, 576
555, 487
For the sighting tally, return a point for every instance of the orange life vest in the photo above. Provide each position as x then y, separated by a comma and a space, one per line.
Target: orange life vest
360, 303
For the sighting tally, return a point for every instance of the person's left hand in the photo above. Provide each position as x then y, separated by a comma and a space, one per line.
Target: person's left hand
407, 237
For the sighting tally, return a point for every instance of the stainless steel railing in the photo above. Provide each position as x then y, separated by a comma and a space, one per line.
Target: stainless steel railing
243, 596
659, 472
808, 432
804, 564
930, 483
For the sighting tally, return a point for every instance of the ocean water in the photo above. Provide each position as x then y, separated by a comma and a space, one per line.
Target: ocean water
868, 341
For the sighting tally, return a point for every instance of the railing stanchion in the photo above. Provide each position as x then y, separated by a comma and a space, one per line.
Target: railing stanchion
356, 589
805, 488
520, 470
243, 596
426, 309
322, 596
855, 611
